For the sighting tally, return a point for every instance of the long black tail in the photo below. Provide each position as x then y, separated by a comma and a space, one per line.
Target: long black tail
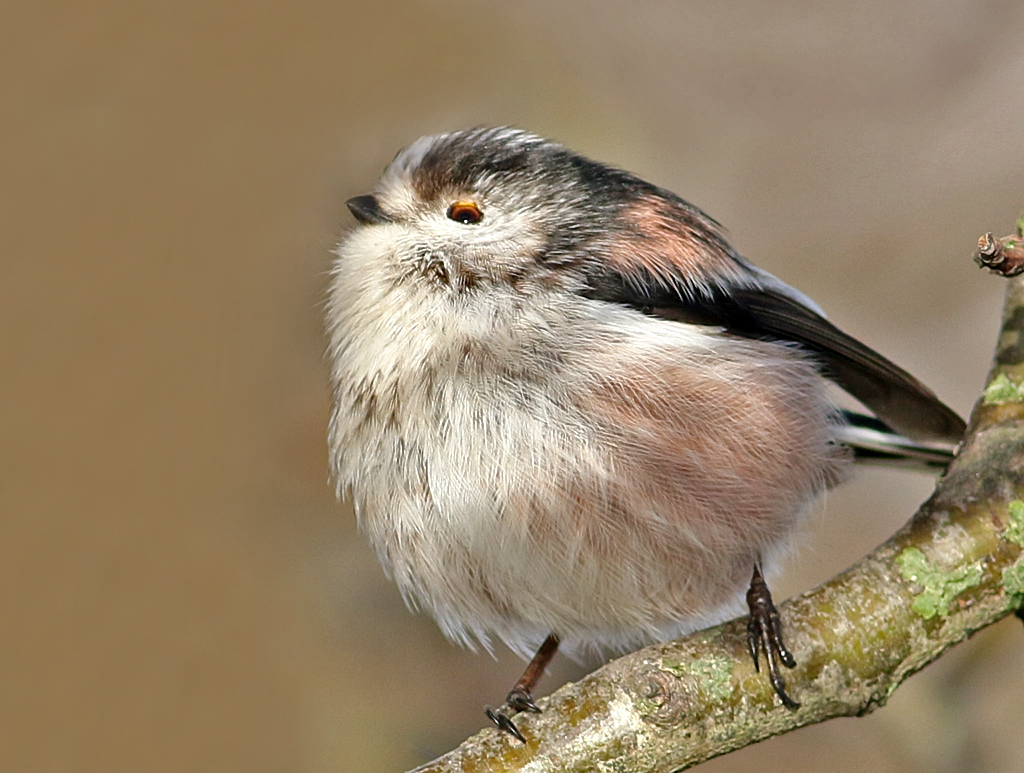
873, 442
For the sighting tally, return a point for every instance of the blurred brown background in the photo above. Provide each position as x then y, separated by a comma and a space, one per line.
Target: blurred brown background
182, 591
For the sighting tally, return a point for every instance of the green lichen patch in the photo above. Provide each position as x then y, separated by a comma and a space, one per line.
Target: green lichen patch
712, 674
1020, 225
645, 707
1002, 390
1014, 532
1013, 575
939, 588
1013, 579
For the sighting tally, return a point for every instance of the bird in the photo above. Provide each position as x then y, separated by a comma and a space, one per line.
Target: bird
572, 417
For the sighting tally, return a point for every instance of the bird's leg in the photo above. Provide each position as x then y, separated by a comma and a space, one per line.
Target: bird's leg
764, 633
519, 697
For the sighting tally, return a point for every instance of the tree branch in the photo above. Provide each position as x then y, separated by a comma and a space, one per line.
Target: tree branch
955, 568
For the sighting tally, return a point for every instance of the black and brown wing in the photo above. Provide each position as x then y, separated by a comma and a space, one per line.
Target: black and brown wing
674, 264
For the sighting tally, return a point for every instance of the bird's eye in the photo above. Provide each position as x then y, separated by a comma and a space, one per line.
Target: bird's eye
465, 212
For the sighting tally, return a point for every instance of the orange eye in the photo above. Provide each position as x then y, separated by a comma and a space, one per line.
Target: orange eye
465, 212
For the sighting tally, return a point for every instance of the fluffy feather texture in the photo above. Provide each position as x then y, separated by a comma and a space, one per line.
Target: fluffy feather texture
537, 436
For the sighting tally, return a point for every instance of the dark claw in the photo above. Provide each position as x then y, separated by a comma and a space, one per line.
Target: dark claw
518, 700
753, 637
521, 700
764, 634
519, 697
501, 719
786, 655
778, 683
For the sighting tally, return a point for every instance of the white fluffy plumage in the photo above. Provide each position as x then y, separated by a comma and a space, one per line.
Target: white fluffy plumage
526, 459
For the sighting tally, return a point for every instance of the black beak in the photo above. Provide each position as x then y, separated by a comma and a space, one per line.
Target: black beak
367, 210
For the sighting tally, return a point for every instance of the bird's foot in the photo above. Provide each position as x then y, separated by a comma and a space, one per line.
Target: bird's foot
764, 634
516, 701
519, 697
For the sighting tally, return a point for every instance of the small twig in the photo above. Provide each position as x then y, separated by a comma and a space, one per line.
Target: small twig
1002, 256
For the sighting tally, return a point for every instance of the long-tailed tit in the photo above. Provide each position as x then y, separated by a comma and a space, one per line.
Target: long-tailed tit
569, 413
